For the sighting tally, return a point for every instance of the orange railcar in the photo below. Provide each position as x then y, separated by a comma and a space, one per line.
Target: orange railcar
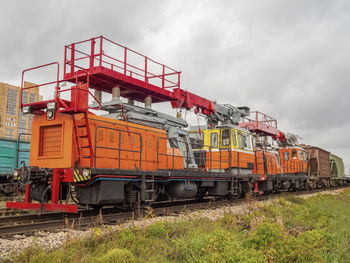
266, 163
293, 160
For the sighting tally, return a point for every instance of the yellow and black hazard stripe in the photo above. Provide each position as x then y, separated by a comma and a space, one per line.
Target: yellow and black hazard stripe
79, 177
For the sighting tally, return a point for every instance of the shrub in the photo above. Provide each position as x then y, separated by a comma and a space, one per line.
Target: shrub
117, 255
265, 236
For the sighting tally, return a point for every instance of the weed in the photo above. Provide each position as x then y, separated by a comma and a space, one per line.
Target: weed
290, 230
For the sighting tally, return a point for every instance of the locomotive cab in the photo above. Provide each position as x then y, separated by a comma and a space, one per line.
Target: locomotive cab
293, 160
223, 148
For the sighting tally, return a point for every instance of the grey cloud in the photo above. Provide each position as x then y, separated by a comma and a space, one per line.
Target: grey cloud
289, 59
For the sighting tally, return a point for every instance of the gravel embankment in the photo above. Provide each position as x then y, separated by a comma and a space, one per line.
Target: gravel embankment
53, 240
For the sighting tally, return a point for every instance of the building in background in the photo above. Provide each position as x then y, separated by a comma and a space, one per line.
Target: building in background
12, 120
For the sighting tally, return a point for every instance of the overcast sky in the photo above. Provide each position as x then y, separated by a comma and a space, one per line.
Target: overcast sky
290, 59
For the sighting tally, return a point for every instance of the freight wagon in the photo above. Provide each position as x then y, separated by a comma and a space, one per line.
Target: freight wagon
13, 154
337, 170
324, 169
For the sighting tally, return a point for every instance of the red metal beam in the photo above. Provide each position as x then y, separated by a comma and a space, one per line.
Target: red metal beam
188, 100
46, 207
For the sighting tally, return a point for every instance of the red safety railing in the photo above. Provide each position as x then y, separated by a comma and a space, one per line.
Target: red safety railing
62, 105
262, 123
40, 85
76, 87
103, 52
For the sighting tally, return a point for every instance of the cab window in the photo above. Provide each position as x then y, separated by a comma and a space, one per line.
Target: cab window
214, 140
294, 154
234, 138
197, 139
302, 155
246, 141
240, 140
225, 138
286, 156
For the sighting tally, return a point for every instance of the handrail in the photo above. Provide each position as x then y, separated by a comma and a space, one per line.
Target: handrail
119, 147
18, 149
77, 88
202, 156
48, 83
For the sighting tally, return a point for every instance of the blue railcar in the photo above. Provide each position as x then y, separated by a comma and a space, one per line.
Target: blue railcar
13, 154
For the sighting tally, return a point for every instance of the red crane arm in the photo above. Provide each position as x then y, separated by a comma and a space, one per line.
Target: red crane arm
188, 100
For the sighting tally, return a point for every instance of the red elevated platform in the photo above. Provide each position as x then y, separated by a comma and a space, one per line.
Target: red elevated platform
110, 64
101, 64
262, 124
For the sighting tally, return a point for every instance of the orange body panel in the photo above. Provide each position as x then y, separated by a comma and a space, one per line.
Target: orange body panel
266, 163
293, 160
228, 158
51, 144
115, 144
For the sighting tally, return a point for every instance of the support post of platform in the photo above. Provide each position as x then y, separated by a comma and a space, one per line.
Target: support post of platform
148, 102
27, 198
98, 95
116, 93
55, 186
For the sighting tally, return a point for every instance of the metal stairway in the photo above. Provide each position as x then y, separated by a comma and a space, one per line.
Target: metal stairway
234, 186
83, 139
147, 189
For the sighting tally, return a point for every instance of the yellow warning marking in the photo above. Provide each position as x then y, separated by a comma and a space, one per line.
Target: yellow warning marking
76, 176
79, 177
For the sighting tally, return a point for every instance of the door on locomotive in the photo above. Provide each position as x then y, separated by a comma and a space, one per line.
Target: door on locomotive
293, 160
223, 148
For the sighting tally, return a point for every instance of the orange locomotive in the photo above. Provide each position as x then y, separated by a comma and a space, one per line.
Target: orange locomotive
280, 167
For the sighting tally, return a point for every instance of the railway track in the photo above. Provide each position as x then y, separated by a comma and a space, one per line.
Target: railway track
6, 198
26, 224
6, 212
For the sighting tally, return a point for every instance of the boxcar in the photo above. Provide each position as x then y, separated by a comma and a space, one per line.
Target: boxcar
337, 166
319, 167
337, 170
319, 162
12, 155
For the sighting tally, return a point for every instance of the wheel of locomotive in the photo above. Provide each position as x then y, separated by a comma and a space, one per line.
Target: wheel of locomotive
8, 189
276, 189
246, 188
201, 193
96, 207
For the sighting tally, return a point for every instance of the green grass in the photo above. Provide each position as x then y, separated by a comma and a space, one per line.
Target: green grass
289, 230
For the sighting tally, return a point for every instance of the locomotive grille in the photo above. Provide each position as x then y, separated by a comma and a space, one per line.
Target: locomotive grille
51, 140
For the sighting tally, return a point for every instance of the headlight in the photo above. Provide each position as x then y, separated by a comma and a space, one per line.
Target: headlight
86, 173
51, 105
15, 173
26, 109
50, 114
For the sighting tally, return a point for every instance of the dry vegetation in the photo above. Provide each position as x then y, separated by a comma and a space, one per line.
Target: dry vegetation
292, 229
